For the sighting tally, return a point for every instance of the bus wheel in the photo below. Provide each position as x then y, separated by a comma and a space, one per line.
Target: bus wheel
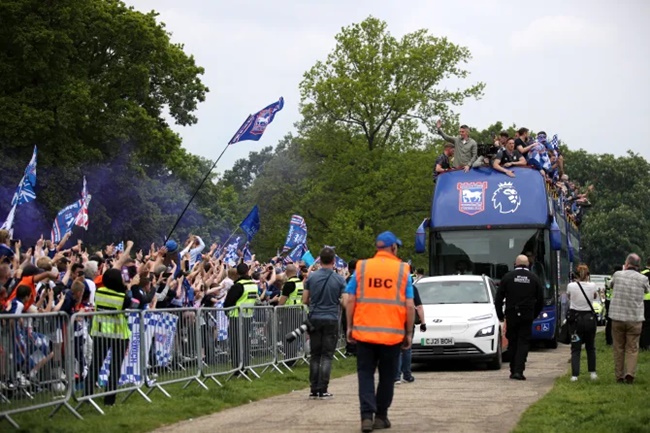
495, 363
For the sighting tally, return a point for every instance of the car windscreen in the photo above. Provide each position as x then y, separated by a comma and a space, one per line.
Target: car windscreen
453, 292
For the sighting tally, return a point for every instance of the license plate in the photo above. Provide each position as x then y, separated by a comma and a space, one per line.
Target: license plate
437, 342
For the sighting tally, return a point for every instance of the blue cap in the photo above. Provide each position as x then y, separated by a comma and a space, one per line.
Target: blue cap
387, 239
171, 246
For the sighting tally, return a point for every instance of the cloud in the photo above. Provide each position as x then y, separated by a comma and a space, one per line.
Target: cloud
564, 30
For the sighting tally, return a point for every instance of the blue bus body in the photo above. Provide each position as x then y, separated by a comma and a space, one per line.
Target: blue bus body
481, 220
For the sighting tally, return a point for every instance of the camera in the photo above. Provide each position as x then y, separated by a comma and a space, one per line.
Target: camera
305, 327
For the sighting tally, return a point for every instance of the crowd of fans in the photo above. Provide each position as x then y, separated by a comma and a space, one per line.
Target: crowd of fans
54, 277
522, 149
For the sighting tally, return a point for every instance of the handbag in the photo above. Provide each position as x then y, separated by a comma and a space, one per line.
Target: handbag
573, 316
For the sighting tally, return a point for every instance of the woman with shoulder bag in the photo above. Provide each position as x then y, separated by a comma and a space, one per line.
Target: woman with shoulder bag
582, 317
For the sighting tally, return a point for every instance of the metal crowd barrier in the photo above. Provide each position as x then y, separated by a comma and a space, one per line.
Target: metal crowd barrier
173, 348
289, 318
342, 342
35, 364
219, 343
51, 360
112, 360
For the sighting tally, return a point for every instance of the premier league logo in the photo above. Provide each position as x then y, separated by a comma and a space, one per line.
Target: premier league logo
471, 197
506, 199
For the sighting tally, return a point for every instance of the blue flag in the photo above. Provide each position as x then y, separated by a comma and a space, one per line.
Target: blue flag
25, 191
296, 254
255, 125
297, 233
339, 263
308, 258
65, 219
251, 224
231, 258
420, 237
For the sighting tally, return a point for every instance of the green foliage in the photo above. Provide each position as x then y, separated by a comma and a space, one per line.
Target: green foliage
600, 406
619, 221
377, 86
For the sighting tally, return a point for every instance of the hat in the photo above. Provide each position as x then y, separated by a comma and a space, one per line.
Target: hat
387, 239
171, 246
112, 279
447, 144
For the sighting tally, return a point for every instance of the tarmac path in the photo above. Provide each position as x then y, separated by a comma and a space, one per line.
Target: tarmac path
450, 397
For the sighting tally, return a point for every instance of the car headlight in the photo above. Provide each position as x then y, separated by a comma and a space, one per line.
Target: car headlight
485, 332
483, 317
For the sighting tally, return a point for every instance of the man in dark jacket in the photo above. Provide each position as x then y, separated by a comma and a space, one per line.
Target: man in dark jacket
524, 297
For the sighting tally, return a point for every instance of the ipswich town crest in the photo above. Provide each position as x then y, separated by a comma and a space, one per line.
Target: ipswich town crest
471, 197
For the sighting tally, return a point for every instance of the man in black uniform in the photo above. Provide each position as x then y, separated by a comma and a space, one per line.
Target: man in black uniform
524, 296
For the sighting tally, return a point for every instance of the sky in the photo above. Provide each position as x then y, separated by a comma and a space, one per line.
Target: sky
578, 68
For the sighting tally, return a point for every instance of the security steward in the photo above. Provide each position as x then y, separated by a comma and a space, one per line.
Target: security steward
609, 290
290, 318
109, 331
644, 341
242, 294
524, 297
380, 314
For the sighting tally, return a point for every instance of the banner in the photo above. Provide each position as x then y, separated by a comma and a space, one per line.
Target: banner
297, 234
251, 224
162, 327
82, 216
25, 190
255, 125
65, 220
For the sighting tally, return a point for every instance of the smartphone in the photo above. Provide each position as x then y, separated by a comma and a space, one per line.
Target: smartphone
125, 274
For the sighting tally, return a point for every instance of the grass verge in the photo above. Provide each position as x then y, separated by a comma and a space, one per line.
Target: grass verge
593, 406
136, 415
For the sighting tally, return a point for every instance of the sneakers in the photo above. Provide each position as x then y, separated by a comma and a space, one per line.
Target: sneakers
366, 425
574, 378
629, 379
593, 375
397, 381
381, 423
325, 395
409, 379
313, 395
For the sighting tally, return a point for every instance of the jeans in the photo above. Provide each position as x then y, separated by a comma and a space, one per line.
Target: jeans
518, 330
237, 326
586, 336
404, 365
322, 340
644, 342
626, 347
371, 357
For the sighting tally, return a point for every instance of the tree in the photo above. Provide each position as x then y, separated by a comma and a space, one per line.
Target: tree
92, 82
378, 86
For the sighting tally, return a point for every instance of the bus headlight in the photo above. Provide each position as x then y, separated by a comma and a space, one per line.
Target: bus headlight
485, 332
543, 315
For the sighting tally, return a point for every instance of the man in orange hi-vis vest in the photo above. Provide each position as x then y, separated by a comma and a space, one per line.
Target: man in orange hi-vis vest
380, 313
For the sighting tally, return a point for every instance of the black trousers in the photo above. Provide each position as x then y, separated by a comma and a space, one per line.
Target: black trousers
587, 335
322, 341
100, 350
644, 341
518, 331
384, 359
608, 325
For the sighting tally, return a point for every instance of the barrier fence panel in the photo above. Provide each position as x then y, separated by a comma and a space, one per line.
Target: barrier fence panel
36, 356
341, 344
110, 342
289, 319
258, 329
220, 345
172, 349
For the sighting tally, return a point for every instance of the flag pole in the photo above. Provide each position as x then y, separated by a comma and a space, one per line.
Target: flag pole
229, 237
196, 192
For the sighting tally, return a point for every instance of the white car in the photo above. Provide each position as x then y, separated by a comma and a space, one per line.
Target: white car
461, 320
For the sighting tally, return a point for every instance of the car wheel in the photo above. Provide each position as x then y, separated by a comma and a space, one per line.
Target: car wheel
495, 363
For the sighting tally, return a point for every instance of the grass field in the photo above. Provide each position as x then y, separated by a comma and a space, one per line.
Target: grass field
593, 406
136, 415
